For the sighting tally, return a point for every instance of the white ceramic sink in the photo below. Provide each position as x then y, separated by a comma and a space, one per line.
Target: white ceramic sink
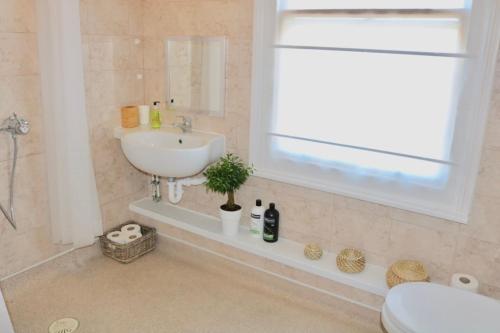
167, 152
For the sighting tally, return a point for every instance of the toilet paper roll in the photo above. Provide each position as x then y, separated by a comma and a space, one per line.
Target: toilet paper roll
130, 237
131, 228
465, 282
117, 237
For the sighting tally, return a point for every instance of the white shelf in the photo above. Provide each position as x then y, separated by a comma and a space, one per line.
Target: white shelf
287, 252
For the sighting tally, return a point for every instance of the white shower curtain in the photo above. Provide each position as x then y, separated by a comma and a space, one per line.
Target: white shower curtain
74, 205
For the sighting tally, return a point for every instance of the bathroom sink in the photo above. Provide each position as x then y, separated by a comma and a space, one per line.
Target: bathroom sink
167, 152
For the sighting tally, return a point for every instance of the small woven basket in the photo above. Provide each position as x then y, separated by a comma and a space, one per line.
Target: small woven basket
126, 253
313, 251
351, 261
406, 271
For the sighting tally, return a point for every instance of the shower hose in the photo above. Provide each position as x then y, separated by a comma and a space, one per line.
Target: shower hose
9, 214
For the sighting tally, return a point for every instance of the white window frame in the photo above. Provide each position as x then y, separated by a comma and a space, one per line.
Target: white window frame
485, 59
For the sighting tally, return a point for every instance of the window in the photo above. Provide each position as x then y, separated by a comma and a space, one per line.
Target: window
382, 100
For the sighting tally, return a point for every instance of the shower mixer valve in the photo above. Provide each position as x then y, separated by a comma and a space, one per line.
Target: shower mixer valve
16, 126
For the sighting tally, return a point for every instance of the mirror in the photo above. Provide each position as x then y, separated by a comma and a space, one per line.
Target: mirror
196, 74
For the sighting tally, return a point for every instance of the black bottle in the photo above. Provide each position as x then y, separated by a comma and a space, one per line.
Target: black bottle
271, 224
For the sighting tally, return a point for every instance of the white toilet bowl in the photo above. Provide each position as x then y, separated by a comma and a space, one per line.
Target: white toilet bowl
433, 308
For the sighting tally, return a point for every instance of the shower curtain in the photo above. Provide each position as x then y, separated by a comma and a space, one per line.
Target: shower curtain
74, 206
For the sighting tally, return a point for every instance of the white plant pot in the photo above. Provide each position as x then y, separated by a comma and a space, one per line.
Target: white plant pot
230, 222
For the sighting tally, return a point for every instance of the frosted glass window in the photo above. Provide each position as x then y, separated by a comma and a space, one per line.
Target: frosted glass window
372, 76
401, 104
380, 100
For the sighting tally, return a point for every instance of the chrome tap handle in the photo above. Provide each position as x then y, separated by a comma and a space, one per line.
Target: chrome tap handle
23, 127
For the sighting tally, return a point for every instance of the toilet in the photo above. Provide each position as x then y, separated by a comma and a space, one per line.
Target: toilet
432, 308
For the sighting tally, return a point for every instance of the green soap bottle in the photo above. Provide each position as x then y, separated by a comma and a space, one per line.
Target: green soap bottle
155, 117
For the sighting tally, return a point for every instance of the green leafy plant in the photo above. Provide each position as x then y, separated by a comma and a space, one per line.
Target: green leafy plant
226, 177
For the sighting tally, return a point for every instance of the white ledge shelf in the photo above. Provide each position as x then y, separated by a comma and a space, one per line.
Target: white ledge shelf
285, 251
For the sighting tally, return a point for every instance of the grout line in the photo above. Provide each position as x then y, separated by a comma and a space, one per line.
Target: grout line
34, 33
323, 291
37, 264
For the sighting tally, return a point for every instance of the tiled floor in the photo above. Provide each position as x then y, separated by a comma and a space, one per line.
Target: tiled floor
174, 289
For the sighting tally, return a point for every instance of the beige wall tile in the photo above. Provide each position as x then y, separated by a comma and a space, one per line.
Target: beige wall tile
128, 88
110, 17
20, 94
478, 258
116, 212
136, 17
484, 223
114, 53
154, 86
360, 230
115, 177
433, 247
154, 54
18, 54
99, 89
489, 172
17, 16
35, 245
114, 88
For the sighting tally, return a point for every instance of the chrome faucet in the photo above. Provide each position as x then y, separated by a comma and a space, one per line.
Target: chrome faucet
186, 125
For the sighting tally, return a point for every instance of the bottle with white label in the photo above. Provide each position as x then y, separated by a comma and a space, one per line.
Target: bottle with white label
257, 219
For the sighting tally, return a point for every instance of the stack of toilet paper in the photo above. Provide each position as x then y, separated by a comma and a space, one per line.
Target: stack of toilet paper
127, 234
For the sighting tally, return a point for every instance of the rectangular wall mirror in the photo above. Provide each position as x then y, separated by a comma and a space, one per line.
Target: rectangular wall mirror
196, 74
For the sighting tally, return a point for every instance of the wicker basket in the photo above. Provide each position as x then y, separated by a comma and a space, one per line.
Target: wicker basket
406, 271
126, 253
351, 261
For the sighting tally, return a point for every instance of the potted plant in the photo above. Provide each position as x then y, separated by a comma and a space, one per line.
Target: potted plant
226, 177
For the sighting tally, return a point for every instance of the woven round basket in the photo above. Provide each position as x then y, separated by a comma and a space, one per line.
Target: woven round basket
313, 251
351, 261
406, 271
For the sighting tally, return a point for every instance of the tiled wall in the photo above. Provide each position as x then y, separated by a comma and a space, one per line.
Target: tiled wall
113, 61
385, 234
20, 93
113, 69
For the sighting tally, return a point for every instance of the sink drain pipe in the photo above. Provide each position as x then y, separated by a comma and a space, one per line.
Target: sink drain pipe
175, 190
